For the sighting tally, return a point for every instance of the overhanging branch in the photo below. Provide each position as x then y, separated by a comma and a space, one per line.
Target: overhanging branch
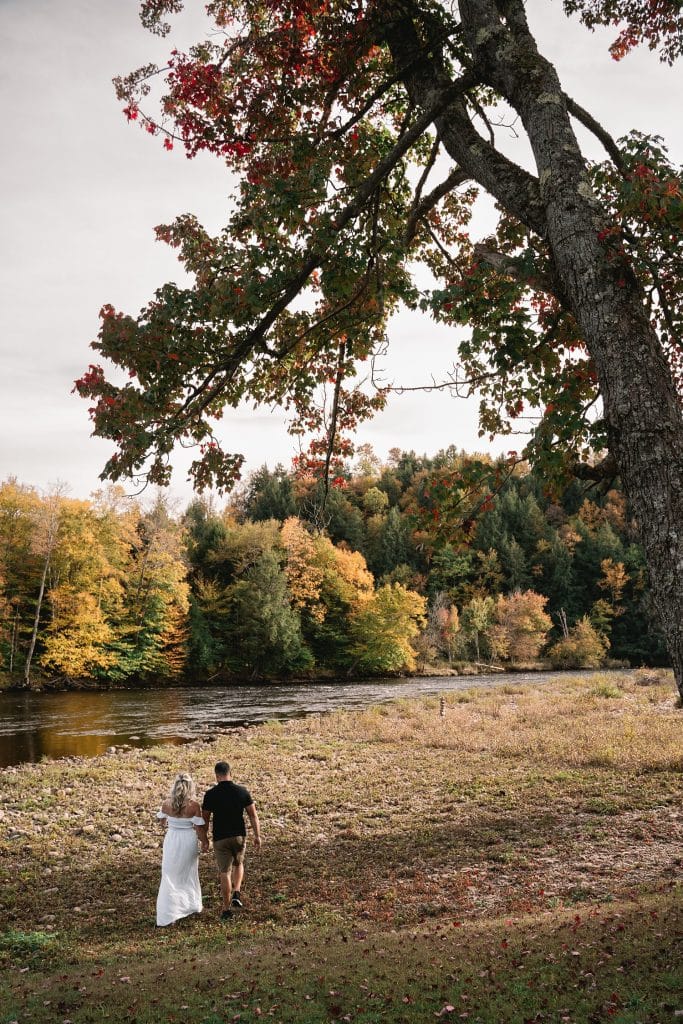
255, 338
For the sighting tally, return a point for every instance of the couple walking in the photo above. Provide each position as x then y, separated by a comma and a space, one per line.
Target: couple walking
180, 893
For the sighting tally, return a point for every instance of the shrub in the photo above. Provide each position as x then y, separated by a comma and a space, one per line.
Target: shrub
583, 648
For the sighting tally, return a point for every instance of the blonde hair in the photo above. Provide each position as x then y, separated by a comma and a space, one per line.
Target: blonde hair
182, 790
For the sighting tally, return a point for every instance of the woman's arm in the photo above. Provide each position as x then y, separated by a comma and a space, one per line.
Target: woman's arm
201, 830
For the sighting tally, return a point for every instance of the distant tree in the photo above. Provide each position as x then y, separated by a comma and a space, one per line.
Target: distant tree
488, 573
407, 576
601, 617
6, 619
636, 635
77, 644
265, 630
557, 580
407, 466
394, 542
269, 495
346, 585
304, 576
477, 618
156, 598
45, 540
239, 547
204, 531
514, 563
210, 630
381, 629
367, 462
340, 518
446, 625
521, 626
452, 572
391, 485
614, 580
20, 565
375, 501
85, 592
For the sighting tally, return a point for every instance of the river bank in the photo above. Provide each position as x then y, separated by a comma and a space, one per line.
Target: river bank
36, 726
63, 684
517, 857
49, 684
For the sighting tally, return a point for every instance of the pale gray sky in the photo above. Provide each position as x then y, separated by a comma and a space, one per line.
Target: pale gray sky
81, 192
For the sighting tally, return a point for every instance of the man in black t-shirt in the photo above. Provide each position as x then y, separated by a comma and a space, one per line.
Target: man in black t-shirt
227, 802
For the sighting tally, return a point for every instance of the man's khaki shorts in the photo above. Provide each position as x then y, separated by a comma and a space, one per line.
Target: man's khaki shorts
229, 851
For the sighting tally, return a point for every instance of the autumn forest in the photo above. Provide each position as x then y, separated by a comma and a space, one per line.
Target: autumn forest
284, 581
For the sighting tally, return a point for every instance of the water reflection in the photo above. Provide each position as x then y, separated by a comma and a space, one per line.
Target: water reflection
37, 725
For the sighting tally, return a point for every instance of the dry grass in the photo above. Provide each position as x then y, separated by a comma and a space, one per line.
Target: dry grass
603, 719
521, 801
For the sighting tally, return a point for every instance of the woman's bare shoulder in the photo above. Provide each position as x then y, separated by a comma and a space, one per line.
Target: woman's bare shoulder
194, 807
166, 807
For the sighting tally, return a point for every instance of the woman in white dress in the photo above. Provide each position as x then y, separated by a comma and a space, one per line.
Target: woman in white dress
179, 892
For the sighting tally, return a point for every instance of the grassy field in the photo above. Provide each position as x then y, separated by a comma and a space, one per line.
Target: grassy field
518, 859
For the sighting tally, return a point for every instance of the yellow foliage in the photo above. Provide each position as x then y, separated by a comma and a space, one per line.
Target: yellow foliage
382, 627
304, 577
614, 580
521, 626
74, 643
583, 648
591, 514
344, 572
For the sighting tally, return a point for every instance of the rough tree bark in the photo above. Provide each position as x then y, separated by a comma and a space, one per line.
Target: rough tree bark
642, 409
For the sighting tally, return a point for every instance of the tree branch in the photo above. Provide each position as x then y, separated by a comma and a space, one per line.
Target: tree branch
228, 367
507, 265
421, 208
606, 469
589, 122
426, 74
332, 431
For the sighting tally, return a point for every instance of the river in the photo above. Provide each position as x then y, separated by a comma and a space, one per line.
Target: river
38, 725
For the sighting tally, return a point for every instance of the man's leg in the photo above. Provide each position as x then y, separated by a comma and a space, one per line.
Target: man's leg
224, 862
237, 876
226, 888
238, 869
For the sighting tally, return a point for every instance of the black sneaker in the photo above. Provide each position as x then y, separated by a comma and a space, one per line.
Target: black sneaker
236, 900
227, 915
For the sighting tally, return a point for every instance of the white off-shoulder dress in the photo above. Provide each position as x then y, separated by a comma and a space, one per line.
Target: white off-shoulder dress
179, 893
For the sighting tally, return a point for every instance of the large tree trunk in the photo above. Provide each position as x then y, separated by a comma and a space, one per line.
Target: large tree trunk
642, 409
643, 412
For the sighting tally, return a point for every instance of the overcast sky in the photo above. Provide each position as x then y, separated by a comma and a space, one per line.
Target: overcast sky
81, 192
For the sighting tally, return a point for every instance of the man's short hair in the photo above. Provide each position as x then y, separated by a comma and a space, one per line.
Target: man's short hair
222, 768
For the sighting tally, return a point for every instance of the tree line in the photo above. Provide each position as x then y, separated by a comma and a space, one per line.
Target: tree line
367, 579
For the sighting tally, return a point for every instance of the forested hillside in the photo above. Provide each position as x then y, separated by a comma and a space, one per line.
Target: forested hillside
377, 578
